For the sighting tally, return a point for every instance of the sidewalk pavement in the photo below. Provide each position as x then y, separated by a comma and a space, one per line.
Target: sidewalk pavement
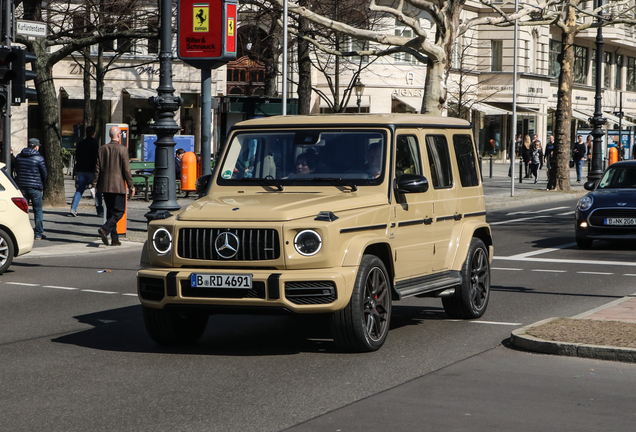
72, 236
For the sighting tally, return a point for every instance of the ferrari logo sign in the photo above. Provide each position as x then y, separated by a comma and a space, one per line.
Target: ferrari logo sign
200, 19
230, 27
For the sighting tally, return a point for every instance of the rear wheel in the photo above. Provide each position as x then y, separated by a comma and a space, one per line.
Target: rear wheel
471, 297
363, 324
6, 251
174, 326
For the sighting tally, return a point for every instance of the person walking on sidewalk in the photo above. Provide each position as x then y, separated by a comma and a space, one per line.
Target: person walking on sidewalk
31, 176
526, 154
112, 178
578, 154
86, 156
549, 149
537, 160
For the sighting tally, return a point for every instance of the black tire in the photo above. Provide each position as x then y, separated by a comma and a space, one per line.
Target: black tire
471, 297
174, 326
7, 251
363, 325
584, 243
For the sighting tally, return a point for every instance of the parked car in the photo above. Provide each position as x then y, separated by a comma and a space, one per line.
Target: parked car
337, 215
608, 211
16, 233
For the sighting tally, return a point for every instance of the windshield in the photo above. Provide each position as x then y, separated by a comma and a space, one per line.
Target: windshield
619, 177
350, 157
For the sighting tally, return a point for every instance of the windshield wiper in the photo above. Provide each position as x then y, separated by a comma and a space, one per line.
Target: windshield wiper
338, 181
269, 182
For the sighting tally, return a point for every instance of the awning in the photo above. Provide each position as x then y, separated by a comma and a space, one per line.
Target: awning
77, 92
486, 109
580, 116
521, 110
610, 117
415, 102
140, 93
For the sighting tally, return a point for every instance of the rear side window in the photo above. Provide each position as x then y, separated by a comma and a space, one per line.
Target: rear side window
439, 160
407, 159
465, 154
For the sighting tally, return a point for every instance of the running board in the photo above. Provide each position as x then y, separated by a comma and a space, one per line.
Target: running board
442, 285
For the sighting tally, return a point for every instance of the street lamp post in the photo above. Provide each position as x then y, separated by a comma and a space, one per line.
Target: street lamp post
164, 192
598, 120
359, 87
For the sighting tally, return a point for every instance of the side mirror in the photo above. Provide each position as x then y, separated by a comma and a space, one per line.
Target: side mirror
591, 185
202, 184
412, 183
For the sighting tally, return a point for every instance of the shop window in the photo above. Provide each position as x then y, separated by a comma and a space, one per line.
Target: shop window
607, 67
153, 44
631, 74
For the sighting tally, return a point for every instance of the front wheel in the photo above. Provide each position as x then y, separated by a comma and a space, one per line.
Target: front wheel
363, 325
471, 297
6, 251
174, 326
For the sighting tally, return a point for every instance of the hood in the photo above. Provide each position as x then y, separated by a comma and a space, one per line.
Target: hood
29, 152
612, 197
275, 206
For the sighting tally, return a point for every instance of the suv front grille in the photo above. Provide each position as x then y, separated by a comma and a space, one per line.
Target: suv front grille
306, 293
254, 244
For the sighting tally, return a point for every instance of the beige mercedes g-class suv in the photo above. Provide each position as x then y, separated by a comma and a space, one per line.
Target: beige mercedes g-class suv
333, 214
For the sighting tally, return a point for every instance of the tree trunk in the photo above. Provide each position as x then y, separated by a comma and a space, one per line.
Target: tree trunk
563, 122
99, 78
51, 148
87, 87
434, 88
304, 67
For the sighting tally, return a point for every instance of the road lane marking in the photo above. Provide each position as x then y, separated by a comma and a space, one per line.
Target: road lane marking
496, 323
517, 220
549, 271
60, 287
629, 274
595, 273
128, 294
99, 292
538, 211
542, 251
567, 213
567, 261
506, 268
21, 283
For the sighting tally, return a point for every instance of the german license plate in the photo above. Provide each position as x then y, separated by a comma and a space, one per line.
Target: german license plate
235, 281
620, 221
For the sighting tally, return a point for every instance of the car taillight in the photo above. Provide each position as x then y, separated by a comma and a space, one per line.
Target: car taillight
22, 204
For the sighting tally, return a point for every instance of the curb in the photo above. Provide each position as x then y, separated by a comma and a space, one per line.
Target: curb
498, 203
521, 340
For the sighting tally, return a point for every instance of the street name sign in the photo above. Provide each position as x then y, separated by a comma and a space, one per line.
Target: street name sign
30, 28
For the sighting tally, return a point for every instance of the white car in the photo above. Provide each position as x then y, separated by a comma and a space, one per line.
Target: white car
16, 233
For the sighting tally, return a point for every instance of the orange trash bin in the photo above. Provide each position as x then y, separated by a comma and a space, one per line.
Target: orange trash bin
188, 172
613, 155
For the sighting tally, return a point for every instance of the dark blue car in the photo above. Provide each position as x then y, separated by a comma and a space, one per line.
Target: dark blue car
608, 211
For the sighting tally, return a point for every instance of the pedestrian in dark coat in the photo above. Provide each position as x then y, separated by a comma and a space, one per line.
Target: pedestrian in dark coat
578, 154
113, 179
86, 157
537, 160
31, 174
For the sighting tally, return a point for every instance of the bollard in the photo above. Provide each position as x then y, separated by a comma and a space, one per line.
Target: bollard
490, 166
613, 155
520, 171
188, 172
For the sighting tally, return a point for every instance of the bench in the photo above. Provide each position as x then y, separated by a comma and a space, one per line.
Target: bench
142, 176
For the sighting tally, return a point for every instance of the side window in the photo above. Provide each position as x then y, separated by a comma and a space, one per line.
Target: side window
465, 154
407, 158
439, 160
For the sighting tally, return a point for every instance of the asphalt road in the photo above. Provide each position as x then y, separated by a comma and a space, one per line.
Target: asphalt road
74, 354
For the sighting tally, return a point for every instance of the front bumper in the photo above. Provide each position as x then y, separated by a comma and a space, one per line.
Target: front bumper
297, 291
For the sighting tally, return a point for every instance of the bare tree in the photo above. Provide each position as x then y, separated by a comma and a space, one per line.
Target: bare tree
59, 45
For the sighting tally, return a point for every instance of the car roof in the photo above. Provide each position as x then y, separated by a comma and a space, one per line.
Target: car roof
627, 163
330, 120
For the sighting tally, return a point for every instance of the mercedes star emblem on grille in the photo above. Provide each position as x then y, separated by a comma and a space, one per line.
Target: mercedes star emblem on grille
226, 245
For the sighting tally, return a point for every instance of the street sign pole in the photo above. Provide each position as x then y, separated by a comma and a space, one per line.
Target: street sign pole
206, 119
7, 113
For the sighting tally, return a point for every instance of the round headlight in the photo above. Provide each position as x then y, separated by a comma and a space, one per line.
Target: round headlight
307, 242
162, 241
585, 203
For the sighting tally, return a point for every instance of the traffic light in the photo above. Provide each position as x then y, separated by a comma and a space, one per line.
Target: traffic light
6, 72
19, 90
